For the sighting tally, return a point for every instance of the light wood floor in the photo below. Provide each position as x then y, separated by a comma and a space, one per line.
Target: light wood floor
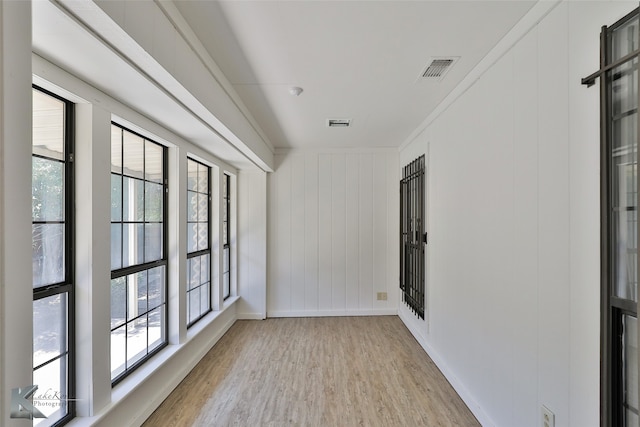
341, 371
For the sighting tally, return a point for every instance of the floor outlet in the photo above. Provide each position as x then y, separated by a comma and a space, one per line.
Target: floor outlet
548, 418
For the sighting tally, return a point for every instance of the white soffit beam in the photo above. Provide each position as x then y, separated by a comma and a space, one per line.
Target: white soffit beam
100, 26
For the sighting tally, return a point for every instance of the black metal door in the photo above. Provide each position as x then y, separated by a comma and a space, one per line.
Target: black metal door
412, 236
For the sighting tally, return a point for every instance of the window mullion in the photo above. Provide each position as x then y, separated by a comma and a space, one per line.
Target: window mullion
637, 193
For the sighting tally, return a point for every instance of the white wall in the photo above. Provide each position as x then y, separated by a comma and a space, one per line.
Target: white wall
93, 130
333, 228
252, 244
15, 204
513, 211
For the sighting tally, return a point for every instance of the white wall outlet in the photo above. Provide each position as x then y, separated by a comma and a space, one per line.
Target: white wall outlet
548, 418
382, 296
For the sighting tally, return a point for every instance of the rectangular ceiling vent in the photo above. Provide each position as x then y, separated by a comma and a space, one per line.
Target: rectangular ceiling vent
338, 123
438, 67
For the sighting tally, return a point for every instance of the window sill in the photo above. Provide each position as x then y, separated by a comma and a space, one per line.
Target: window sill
137, 379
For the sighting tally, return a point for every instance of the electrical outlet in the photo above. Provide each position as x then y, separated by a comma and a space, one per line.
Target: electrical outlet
382, 296
548, 418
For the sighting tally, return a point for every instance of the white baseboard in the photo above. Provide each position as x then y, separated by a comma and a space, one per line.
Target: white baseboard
251, 316
457, 385
334, 313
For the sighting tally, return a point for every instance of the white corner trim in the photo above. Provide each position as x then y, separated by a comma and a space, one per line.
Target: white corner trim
536, 14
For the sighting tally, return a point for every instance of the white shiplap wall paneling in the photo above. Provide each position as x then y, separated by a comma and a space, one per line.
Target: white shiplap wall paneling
333, 217
311, 238
366, 230
352, 256
380, 241
325, 259
525, 179
338, 232
297, 219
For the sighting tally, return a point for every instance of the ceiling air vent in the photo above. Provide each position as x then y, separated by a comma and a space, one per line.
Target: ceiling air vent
338, 123
438, 67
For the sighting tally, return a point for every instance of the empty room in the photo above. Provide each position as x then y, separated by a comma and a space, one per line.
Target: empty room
319, 213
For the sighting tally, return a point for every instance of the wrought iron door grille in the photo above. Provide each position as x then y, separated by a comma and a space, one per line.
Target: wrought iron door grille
412, 261
619, 231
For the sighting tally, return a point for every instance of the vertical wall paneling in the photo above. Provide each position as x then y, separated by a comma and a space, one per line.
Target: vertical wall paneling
272, 237
338, 232
584, 158
283, 220
525, 268
499, 228
311, 230
297, 231
366, 230
252, 244
325, 259
352, 234
380, 243
553, 212
331, 228
392, 226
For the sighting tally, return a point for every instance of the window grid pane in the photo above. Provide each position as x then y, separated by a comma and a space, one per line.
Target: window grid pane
198, 241
52, 260
138, 250
226, 236
50, 377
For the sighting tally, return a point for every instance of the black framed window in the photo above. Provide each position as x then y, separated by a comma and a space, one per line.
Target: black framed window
412, 225
619, 220
198, 241
226, 236
138, 250
52, 212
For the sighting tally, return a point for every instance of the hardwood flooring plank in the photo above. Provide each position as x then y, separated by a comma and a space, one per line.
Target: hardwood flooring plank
333, 371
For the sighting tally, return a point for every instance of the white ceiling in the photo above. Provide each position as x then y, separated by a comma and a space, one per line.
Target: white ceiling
354, 59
